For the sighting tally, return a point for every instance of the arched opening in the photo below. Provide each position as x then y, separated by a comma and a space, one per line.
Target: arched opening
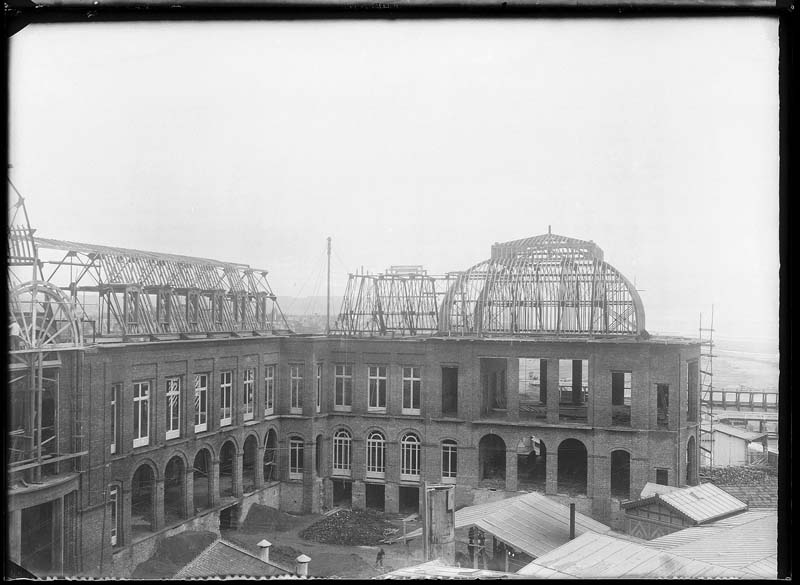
620, 475
572, 467
142, 501
270, 457
174, 498
202, 486
691, 462
249, 459
227, 457
409, 457
492, 458
531, 463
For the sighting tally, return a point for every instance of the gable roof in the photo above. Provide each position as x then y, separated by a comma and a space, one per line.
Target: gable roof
601, 556
532, 523
223, 558
700, 503
746, 542
437, 569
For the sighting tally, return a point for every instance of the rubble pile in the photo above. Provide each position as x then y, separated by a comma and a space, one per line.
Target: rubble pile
740, 475
261, 518
349, 528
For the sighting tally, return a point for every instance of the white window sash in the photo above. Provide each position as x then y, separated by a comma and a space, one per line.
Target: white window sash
201, 391
173, 405
269, 390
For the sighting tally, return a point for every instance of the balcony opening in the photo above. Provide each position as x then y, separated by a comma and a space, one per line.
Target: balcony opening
531, 464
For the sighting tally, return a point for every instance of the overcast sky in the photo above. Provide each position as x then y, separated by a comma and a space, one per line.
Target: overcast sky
416, 142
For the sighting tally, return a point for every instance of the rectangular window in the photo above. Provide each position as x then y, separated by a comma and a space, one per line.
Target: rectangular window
200, 403
319, 387
115, 392
532, 388
296, 388
295, 458
449, 461
248, 393
412, 388
377, 387
450, 391
621, 384
141, 414
662, 476
225, 398
343, 387
662, 405
772, 399
173, 408
113, 511
269, 390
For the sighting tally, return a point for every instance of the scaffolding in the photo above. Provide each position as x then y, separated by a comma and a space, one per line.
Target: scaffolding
707, 391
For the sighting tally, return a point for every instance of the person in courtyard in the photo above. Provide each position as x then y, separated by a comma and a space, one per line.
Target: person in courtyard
379, 558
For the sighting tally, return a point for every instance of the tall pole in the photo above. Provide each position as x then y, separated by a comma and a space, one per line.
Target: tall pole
328, 314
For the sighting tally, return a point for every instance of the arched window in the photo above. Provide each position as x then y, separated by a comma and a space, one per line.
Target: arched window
295, 458
449, 460
409, 457
341, 452
376, 455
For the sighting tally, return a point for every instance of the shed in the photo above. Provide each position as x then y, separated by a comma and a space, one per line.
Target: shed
661, 510
736, 446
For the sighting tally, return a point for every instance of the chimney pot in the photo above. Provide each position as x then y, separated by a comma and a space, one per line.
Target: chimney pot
263, 550
301, 565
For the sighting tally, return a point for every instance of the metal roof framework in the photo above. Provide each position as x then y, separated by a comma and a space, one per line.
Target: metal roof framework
546, 284
132, 293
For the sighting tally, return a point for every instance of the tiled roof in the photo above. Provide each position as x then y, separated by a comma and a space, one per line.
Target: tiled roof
223, 558
699, 503
532, 523
599, 556
746, 542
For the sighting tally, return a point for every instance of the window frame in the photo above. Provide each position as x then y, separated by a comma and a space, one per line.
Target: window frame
173, 433
343, 386
342, 460
410, 457
139, 439
319, 387
376, 455
115, 395
249, 393
114, 501
449, 461
411, 378
376, 379
296, 457
200, 390
225, 391
296, 388
269, 389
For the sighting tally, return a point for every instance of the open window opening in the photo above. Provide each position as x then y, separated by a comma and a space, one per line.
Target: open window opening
227, 457
142, 501
375, 495
620, 475
493, 385
450, 391
270, 457
201, 483
174, 496
573, 385
662, 405
408, 497
621, 387
342, 493
249, 459
532, 389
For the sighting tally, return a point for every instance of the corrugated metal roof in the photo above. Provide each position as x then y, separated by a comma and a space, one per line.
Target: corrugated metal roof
699, 503
601, 556
532, 523
738, 433
747, 542
223, 558
438, 570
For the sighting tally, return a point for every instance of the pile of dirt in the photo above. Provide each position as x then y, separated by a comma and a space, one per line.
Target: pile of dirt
262, 518
348, 528
174, 553
745, 475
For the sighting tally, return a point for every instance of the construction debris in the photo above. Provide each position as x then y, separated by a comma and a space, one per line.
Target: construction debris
267, 518
740, 475
349, 528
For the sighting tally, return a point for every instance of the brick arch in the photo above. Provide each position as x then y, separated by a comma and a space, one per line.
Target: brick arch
251, 434
176, 453
237, 448
341, 427
213, 453
153, 467
407, 430
369, 430
271, 427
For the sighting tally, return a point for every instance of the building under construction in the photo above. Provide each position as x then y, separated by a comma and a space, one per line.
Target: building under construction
151, 393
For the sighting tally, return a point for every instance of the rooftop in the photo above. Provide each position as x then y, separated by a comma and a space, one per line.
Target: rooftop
437, 569
700, 504
223, 558
738, 433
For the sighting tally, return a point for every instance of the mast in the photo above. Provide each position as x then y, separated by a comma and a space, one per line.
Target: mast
328, 313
